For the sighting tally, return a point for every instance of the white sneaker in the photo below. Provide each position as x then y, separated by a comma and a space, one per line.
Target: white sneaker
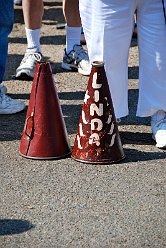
77, 59
158, 125
17, 2
3, 88
28, 65
9, 105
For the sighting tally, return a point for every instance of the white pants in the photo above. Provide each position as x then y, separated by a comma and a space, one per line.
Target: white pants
108, 26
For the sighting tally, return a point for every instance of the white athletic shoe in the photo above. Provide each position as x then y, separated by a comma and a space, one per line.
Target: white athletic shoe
9, 105
158, 125
17, 2
3, 88
77, 59
28, 64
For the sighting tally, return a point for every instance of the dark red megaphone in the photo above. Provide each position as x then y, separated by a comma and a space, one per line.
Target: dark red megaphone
44, 135
98, 140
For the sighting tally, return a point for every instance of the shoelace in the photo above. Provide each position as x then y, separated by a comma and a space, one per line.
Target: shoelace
159, 123
28, 56
80, 54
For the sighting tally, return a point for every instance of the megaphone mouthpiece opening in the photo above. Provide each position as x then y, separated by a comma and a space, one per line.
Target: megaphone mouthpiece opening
98, 63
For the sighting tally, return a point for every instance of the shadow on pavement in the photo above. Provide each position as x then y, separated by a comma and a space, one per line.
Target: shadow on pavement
134, 42
52, 16
45, 40
11, 126
133, 72
13, 226
133, 155
78, 95
136, 138
18, 15
53, 3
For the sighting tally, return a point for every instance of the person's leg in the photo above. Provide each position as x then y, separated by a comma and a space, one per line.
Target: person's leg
152, 81
7, 105
152, 49
73, 23
72, 18
6, 24
108, 29
73, 34
33, 13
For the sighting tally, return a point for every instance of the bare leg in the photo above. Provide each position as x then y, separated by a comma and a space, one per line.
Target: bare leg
71, 13
33, 13
73, 27
75, 57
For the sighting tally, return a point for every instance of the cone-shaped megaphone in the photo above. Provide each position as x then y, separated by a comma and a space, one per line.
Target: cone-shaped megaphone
97, 140
44, 135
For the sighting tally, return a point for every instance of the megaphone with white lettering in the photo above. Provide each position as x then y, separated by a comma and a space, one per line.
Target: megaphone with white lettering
97, 140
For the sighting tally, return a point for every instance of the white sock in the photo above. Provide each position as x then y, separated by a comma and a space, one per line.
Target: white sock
33, 39
72, 37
